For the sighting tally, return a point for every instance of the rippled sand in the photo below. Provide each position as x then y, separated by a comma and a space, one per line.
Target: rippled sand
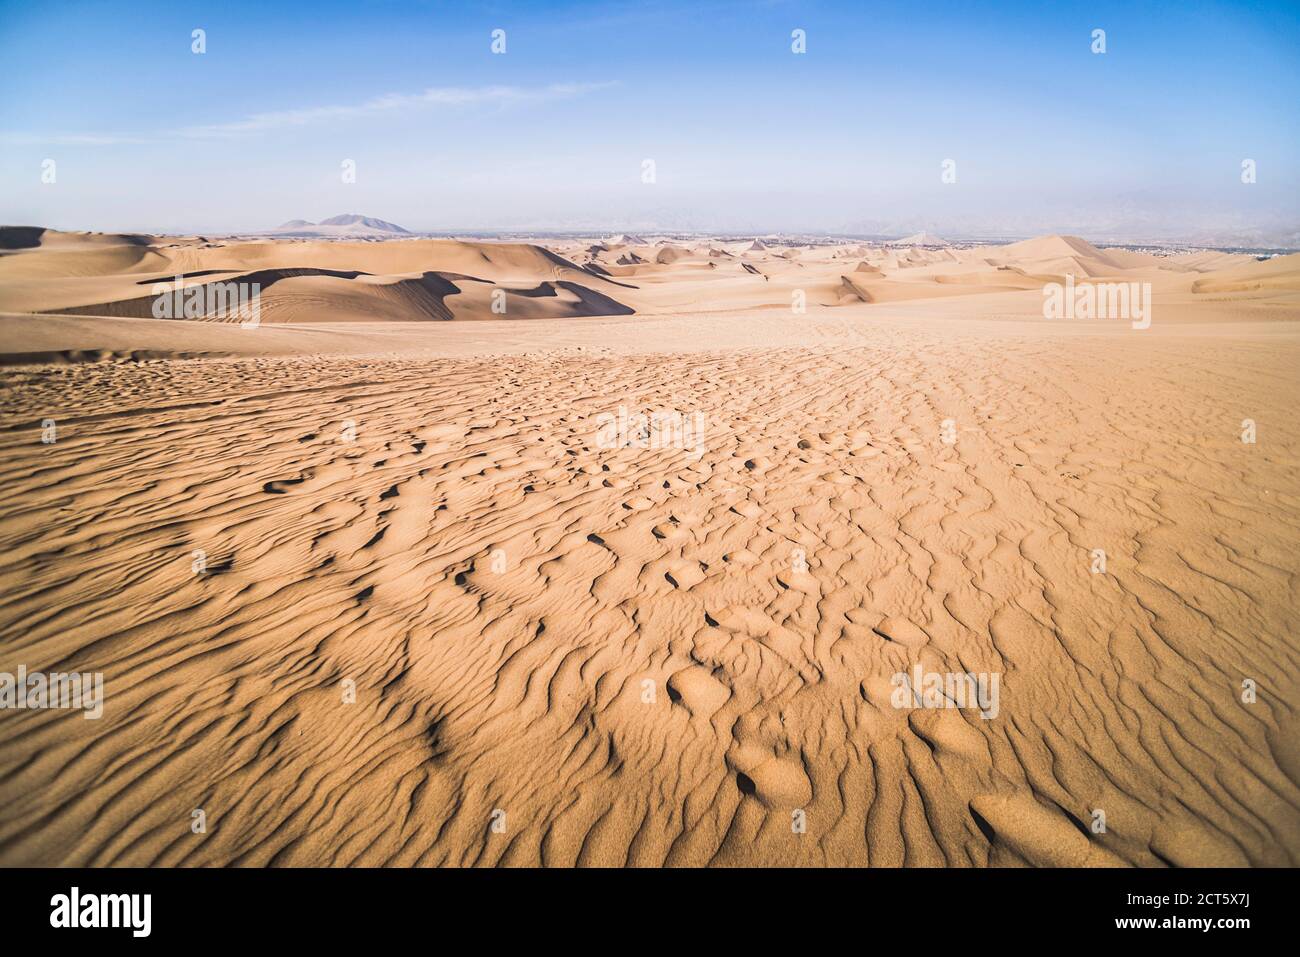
564, 653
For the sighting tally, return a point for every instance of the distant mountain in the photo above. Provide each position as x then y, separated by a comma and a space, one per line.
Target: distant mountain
918, 239
347, 225
352, 219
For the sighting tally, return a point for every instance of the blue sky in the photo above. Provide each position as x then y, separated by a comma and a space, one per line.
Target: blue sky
1144, 141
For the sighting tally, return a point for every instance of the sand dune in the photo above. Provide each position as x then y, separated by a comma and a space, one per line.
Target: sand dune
1281, 273
632, 655
669, 254
1207, 261
412, 280
46, 253
1059, 256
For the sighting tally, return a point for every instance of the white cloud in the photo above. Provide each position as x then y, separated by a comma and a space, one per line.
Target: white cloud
389, 103
72, 139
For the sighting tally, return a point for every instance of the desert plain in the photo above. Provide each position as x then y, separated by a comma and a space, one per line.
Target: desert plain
367, 586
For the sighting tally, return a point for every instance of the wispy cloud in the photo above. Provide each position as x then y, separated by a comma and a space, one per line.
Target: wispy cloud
388, 104
73, 139
391, 103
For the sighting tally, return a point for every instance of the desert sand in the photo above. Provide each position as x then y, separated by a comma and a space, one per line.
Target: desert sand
434, 620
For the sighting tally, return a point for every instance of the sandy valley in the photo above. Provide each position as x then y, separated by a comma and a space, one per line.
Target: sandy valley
366, 585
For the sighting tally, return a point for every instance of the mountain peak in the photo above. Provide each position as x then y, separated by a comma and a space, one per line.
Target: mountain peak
369, 222
919, 239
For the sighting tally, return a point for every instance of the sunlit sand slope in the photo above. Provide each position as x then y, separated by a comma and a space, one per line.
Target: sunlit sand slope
563, 653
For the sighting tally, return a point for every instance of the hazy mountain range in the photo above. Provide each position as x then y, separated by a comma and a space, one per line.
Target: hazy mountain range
345, 225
